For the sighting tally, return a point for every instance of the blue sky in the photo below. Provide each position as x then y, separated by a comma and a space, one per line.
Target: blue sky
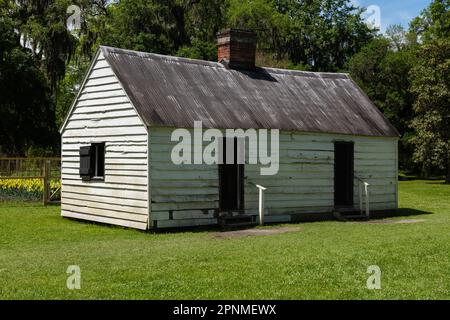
396, 11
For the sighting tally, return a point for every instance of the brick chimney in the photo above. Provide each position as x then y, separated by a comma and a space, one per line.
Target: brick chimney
236, 48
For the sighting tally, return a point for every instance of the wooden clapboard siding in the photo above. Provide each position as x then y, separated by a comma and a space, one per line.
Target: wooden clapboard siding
182, 195
305, 182
187, 195
376, 163
103, 113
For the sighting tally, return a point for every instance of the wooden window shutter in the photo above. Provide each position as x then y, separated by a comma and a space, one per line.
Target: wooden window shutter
86, 163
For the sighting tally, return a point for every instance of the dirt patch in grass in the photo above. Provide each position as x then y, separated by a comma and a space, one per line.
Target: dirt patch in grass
390, 221
254, 232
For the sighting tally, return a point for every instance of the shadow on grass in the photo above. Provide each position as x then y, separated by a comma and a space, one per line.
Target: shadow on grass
402, 212
442, 183
375, 215
417, 178
173, 230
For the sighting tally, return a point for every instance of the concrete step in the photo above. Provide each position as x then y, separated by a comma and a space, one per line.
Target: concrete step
237, 221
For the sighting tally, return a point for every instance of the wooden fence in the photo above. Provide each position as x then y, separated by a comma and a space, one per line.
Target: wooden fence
47, 169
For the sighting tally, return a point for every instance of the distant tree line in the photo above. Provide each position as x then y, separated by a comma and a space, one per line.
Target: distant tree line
405, 72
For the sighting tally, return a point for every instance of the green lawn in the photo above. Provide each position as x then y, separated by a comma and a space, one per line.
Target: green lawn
324, 260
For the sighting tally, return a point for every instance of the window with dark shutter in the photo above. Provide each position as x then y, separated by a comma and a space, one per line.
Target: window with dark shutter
92, 162
86, 169
99, 160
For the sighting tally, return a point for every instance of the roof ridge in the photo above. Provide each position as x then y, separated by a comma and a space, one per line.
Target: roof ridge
160, 56
322, 74
335, 75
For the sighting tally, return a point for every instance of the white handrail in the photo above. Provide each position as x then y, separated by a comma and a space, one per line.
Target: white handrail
261, 204
361, 182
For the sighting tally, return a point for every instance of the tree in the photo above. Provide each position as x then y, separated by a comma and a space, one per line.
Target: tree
141, 25
184, 27
431, 87
381, 68
26, 109
203, 19
433, 23
68, 89
42, 27
397, 36
319, 34
198, 49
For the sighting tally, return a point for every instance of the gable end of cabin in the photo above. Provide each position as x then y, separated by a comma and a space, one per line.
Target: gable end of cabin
104, 154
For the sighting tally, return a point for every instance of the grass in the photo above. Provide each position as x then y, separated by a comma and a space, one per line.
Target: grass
324, 260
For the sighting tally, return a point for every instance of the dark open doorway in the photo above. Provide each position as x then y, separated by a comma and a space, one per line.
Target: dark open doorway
343, 174
231, 179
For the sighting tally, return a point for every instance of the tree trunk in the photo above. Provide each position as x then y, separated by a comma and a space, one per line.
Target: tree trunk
447, 179
425, 171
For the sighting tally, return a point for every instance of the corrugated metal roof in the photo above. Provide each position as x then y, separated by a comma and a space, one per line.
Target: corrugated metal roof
172, 91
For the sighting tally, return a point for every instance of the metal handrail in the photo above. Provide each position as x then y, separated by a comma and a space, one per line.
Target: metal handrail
366, 185
261, 203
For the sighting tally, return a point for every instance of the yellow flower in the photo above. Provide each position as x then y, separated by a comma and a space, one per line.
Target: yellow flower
29, 185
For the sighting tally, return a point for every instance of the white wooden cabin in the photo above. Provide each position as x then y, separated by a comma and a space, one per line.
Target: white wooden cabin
116, 141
